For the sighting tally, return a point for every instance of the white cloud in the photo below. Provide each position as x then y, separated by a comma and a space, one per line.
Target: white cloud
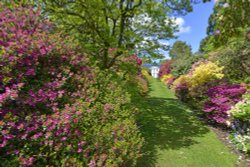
164, 42
180, 22
144, 19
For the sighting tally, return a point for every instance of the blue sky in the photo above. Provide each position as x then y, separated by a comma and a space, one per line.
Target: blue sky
193, 25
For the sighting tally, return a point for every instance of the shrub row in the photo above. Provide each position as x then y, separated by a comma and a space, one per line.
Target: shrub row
205, 88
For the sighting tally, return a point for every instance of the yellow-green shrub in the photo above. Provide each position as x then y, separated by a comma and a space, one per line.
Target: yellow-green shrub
166, 78
145, 74
203, 72
142, 85
182, 80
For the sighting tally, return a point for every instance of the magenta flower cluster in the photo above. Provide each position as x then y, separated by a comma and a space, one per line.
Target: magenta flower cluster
37, 78
220, 100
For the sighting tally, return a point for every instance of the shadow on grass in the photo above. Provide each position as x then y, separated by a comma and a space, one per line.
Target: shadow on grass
165, 124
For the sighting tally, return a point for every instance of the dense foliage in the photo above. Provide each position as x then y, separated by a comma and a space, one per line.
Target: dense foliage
229, 19
183, 65
56, 109
235, 57
123, 24
203, 72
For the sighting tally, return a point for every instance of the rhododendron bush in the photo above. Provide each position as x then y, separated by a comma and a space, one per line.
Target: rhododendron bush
54, 108
165, 73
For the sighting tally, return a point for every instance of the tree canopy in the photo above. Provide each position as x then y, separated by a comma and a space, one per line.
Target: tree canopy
229, 19
135, 25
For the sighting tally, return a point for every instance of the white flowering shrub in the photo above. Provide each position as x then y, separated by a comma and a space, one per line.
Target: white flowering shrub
240, 123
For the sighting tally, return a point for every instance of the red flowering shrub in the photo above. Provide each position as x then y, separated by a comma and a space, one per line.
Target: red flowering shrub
165, 68
135, 59
55, 110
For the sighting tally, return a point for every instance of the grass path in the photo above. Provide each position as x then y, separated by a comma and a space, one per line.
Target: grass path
174, 137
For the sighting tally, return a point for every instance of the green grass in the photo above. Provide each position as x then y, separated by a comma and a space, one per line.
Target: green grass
174, 137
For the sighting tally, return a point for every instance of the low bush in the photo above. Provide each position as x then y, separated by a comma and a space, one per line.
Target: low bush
181, 87
142, 83
240, 123
166, 78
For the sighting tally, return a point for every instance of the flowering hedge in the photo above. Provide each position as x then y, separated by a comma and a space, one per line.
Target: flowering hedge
54, 109
201, 87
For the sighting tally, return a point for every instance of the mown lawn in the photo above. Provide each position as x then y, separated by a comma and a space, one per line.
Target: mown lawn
176, 138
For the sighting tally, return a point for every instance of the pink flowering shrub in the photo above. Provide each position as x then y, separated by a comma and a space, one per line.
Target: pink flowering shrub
220, 100
123, 56
54, 109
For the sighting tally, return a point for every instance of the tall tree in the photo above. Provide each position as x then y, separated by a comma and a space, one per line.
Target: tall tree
180, 50
99, 25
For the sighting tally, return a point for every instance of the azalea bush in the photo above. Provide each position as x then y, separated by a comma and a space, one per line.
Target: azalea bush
170, 82
220, 100
165, 73
241, 110
55, 109
181, 87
